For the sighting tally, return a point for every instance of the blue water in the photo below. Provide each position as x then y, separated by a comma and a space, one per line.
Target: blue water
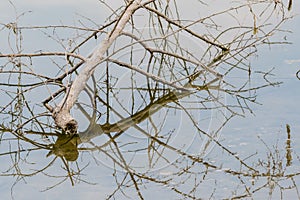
251, 136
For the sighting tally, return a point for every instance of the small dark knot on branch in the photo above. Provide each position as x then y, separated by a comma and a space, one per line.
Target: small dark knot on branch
71, 127
65, 121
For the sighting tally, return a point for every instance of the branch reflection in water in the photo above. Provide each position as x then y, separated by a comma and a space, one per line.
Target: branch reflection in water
153, 107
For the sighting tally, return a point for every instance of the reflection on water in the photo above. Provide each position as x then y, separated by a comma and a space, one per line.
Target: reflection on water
155, 159
151, 119
288, 146
65, 146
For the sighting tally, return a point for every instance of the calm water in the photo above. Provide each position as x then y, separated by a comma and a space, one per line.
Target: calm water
260, 139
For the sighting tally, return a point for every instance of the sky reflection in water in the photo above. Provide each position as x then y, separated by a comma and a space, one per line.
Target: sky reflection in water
279, 107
